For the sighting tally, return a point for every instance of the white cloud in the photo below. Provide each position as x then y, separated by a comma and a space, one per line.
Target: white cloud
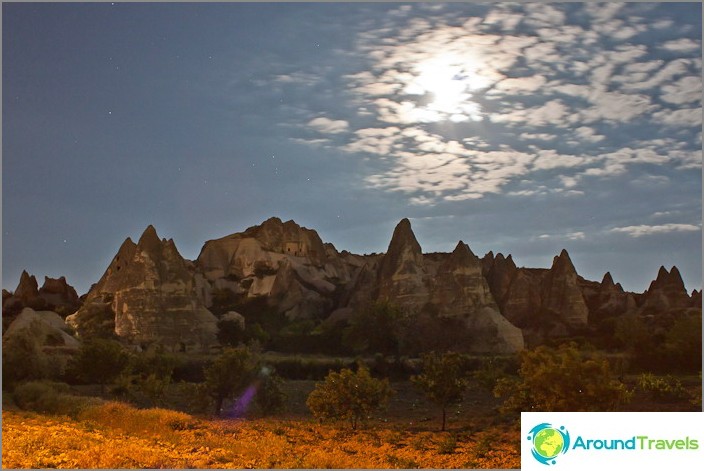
686, 90
328, 126
538, 136
297, 78
682, 45
644, 230
311, 142
683, 117
551, 113
671, 70
423, 74
588, 134
550, 159
615, 106
520, 85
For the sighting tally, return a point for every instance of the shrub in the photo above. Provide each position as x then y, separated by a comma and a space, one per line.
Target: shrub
662, 389
448, 445
22, 356
442, 380
376, 328
229, 375
559, 380
348, 395
230, 332
101, 361
50, 398
270, 397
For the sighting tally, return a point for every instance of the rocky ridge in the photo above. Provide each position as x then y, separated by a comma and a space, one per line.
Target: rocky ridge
150, 295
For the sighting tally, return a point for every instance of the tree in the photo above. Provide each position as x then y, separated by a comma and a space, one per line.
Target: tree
559, 380
348, 395
230, 332
270, 396
229, 375
683, 344
376, 329
101, 361
22, 356
442, 380
153, 373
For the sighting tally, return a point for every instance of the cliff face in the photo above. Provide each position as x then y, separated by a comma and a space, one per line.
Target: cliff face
147, 296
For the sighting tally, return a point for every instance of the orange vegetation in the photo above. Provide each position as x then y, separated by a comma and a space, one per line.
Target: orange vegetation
115, 435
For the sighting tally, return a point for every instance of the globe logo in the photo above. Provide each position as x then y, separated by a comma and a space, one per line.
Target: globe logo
548, 442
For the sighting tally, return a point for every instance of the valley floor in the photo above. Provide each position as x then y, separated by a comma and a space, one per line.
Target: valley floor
116, 436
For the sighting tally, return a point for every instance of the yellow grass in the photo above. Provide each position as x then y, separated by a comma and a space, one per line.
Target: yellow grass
115, 435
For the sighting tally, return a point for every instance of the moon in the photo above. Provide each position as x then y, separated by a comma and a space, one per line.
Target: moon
450, 82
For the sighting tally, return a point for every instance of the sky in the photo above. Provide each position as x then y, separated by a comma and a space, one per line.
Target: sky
519, 128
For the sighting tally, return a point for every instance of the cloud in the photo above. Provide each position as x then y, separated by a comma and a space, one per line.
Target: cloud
551, 113
297, 78
311, 142
588, 134
538, 136
328, 126
678, 118
644, 230
685, 90
520, 85
452, 108
616, 107
579, 235
682, 45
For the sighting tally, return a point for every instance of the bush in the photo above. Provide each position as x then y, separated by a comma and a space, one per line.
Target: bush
494, 369
101, 361
560, 380
50, 398
270, 398
22, 357
229, 375
667, 389
348, 395
230, 332
442, 380
376, 329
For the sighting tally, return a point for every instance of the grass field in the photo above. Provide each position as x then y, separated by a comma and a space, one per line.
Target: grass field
406, 435
114, 435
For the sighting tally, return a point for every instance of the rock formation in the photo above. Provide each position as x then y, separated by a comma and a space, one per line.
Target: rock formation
283, 276
148, 294
55, 295
284, 263
666, 292
402, 276
562, 297
46, 327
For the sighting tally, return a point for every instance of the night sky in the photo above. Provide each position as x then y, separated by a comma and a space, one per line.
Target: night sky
517, 128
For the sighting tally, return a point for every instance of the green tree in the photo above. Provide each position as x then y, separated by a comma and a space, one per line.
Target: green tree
559, 380
230, 332
442, 380
22, 356
229, 375
152, 373
348, 395
270, 397
101, 361
683, 343
376, 329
